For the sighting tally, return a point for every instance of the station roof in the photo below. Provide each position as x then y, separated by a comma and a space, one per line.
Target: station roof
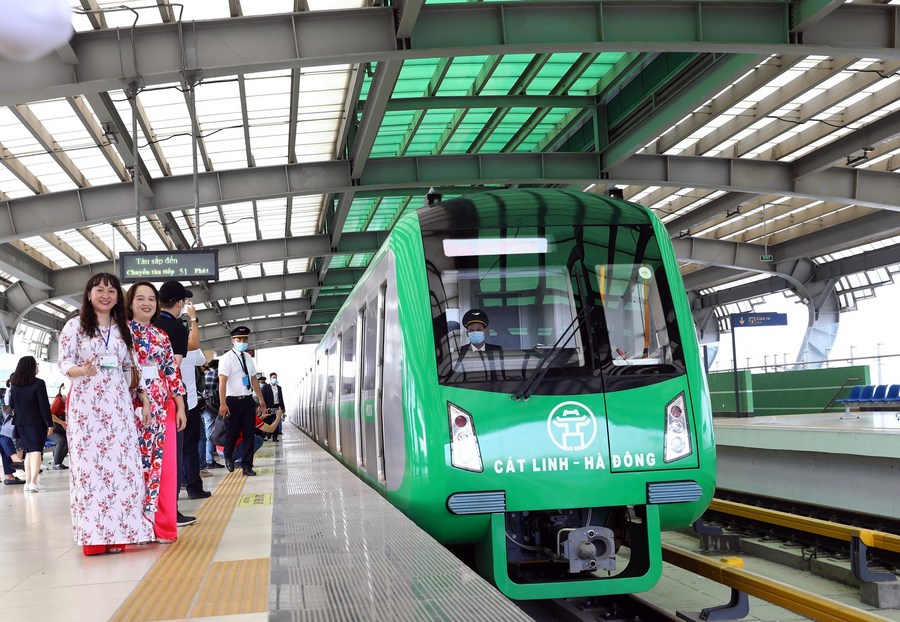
766, 135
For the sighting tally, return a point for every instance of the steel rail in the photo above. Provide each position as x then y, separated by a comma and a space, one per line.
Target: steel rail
828, 529
730, 573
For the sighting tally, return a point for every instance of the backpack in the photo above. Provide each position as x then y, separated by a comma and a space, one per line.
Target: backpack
212, 402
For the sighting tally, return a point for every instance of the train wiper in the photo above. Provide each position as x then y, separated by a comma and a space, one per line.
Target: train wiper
530, 384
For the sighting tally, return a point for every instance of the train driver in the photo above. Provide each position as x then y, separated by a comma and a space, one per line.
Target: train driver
489, 355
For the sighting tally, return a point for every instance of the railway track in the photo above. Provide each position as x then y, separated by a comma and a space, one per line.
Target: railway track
812, 545
619, 608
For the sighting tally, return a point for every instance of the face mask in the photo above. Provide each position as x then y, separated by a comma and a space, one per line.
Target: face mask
476, 338
241, 347
274, 380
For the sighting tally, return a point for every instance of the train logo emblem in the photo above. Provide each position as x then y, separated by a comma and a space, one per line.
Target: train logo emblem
572, 426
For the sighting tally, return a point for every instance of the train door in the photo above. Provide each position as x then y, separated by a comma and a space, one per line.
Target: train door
318, 426
360, 370
347, 413
379, 386
308, 387
372, 452
333, 362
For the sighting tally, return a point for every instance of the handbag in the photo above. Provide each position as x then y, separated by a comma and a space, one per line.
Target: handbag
219, 433
135, 374
8, 428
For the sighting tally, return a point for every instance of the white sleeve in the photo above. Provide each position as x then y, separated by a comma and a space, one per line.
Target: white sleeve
225, 366
194, 358
32, 29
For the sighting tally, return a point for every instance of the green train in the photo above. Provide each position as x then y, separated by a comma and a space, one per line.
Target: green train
556, 444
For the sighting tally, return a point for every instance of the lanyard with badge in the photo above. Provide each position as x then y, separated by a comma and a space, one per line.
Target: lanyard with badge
108, 360
246, 379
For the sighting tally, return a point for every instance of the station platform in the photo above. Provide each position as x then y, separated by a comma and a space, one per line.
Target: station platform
304, 540
826, 459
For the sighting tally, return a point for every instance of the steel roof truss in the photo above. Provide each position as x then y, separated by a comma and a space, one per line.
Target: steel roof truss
321, 38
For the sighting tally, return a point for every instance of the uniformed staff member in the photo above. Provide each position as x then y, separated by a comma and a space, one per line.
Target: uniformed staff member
237, 385
489, 355
273, 395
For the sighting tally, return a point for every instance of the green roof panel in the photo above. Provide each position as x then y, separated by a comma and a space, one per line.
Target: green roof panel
437, 130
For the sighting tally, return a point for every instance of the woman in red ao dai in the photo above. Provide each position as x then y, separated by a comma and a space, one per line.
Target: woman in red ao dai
161, 380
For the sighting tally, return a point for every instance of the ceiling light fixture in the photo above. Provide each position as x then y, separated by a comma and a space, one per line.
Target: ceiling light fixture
861, 156
110, 133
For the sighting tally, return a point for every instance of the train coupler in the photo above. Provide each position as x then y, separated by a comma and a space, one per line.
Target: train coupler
587, 548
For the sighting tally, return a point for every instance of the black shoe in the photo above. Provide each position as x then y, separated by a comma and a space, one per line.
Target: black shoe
59, 467
13, 482
229, 464
215, 465
203, 494
276, 439
186, 520
249, 472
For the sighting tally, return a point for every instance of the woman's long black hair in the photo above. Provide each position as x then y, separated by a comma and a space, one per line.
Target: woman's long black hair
26, 372
89, 325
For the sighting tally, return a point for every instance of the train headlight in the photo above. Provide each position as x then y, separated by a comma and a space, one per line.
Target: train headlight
677, 438
464, 451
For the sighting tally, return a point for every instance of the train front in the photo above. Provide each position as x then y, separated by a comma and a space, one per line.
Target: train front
576, 411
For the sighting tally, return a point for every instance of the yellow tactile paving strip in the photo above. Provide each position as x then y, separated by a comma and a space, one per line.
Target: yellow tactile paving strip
168, 591
234, 587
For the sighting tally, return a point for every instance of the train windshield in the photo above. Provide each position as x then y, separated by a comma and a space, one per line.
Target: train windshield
588, 307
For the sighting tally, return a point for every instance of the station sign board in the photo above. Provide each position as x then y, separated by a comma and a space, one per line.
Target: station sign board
739, 320
197, 265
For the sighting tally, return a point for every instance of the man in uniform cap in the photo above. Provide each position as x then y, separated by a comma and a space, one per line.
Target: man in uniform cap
237, 385
490, 355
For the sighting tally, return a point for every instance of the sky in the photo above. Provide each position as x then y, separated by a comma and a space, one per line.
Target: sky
863, 336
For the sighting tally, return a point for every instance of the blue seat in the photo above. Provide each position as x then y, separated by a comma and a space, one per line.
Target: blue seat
855, 392
880, 392
893, 394
866, 394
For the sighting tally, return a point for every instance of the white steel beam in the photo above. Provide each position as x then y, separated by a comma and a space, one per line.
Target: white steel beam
316, 38
61, 210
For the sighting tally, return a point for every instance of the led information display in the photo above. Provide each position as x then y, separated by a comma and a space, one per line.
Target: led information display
202, 265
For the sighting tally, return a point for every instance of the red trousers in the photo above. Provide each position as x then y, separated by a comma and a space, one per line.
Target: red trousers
165, 525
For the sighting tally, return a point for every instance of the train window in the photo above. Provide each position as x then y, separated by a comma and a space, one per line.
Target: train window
348, 369
635, 319
370, 349
528, 311
589, 304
